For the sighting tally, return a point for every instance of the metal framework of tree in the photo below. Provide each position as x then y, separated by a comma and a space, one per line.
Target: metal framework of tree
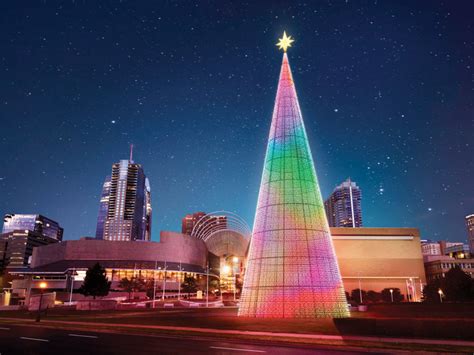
292, 269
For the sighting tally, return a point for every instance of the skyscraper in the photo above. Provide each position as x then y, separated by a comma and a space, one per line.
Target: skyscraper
470, 232
189, 221
23, 232
292, 269
125, 204
343, 206
33, 222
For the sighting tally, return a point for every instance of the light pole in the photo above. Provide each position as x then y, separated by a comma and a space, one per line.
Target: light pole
440, 293
207, 285
42, 286
72, 285
235, 260
391, 294
154, 283
164, 284
360, 291
179, 281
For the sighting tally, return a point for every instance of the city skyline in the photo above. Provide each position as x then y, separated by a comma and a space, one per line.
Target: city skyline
198, 130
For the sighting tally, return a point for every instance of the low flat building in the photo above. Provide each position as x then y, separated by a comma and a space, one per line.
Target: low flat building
378, 258
370, 258
168, 261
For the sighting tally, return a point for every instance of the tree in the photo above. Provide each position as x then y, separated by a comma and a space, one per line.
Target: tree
387, 297
348, 296
189, 285
96, 284
430, 291
457, 285
150, 288
355, 295
135, 284
373, 296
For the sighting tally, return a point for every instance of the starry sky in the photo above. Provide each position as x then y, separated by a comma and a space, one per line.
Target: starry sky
386, 89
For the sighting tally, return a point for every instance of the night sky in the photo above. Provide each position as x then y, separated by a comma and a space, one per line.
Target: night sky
386, 89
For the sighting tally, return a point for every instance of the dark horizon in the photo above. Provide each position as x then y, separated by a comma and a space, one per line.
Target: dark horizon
386, 91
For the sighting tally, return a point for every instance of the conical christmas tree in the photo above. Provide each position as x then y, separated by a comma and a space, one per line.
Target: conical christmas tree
292, 269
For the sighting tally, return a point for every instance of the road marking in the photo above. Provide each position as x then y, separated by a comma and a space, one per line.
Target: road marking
238, 349
2, 328
83, 336
35, 339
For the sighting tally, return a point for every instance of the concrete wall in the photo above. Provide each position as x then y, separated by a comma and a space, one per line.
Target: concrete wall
379, 257
173, 247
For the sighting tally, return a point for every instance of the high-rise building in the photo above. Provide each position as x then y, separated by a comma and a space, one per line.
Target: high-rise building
189, 221
17, 246
292, 270
125, 205
343, 206
33, 222
103, 208
470, 232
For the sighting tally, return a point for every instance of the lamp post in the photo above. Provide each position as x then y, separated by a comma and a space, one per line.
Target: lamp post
391, 294
235, 260
360, 291
179, 281
207, 285
154, 283
164, 284
440, 293
42, 286
72, 285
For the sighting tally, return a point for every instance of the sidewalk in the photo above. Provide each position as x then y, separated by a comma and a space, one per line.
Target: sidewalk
97, 326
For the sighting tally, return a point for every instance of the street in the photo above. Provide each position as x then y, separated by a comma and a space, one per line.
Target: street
33, 339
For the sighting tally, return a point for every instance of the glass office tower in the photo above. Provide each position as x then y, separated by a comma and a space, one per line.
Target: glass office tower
32, 222
125, 205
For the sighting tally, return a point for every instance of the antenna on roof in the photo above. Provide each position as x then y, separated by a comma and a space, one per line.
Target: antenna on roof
131, 152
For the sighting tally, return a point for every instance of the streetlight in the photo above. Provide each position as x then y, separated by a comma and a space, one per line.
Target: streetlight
391, 294
235, 260
164, 283
154, 283
440, 292
73, 273
42, 286
207, 285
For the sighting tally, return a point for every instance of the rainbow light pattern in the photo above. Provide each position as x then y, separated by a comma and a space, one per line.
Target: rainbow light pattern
292, 270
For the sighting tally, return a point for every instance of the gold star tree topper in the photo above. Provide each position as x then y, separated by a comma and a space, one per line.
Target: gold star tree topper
285, 42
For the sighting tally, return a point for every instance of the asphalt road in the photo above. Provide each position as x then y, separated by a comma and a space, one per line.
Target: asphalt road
15, 339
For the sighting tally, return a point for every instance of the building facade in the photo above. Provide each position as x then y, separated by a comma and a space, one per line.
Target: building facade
17, 246
125, 207
343, 206
103, 208
378, 258
437, 266
189, 221
470, 232
370, 258
429, 247
33, 222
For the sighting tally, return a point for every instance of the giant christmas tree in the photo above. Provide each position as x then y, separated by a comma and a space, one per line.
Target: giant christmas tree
292, 269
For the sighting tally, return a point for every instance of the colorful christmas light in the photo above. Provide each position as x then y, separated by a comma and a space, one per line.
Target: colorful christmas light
292, 269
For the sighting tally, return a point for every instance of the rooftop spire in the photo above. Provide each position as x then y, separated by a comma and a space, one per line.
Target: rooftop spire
131, 152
